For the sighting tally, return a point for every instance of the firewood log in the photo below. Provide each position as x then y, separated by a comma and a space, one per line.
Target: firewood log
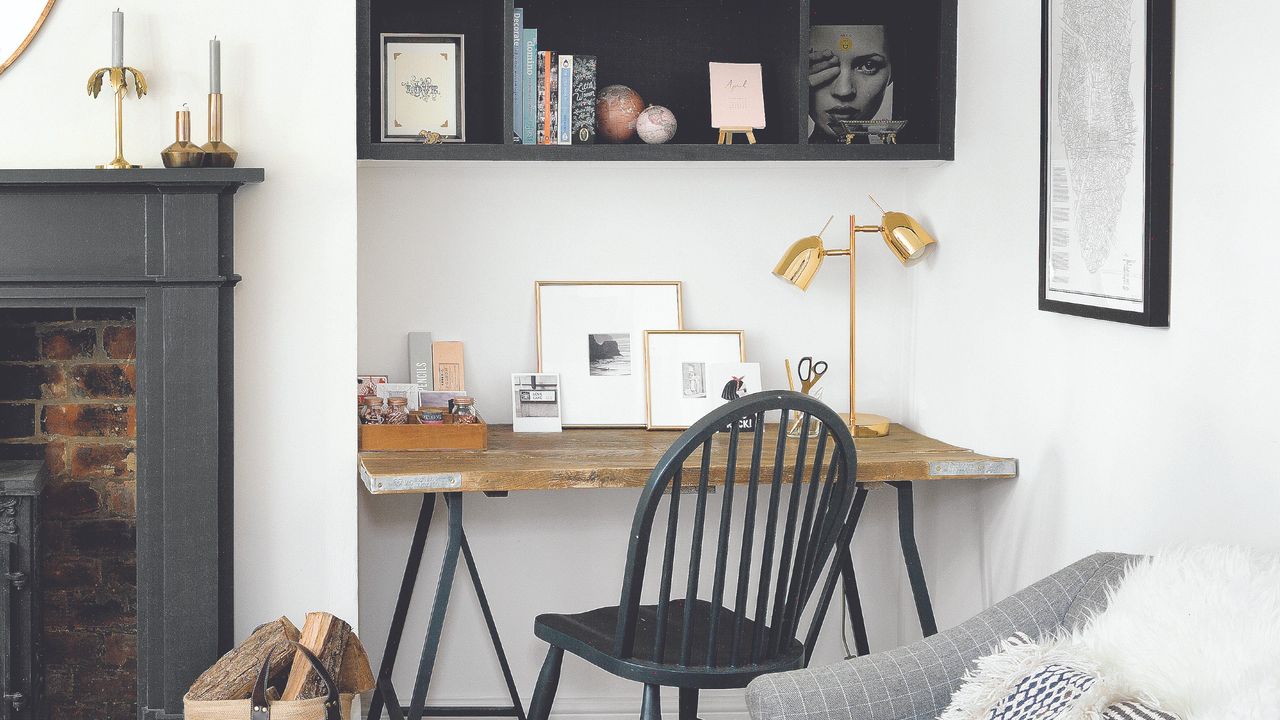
357, 676
327, 637
233, 675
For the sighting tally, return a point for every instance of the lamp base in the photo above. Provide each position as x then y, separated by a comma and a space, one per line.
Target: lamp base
865, 425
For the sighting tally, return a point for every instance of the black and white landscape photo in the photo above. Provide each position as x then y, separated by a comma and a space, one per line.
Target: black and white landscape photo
609, 353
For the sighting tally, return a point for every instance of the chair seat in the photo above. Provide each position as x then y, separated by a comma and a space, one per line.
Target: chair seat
591, 636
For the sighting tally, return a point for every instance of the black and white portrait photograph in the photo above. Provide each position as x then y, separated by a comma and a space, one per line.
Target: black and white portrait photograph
610, 353
695, 379
850, 79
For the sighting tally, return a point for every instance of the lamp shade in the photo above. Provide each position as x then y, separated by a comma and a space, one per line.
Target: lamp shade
906, 238
801, 262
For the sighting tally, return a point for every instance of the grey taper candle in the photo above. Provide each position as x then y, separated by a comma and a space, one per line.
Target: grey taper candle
117, 38
215, 66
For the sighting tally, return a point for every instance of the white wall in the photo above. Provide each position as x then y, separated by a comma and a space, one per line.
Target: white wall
454, 248
1130, 438
295, 247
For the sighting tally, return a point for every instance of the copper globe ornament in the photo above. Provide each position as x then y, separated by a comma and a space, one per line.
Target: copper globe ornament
617, 108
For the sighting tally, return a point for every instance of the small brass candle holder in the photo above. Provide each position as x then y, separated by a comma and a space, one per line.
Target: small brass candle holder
216, 152
182, 153
118, 78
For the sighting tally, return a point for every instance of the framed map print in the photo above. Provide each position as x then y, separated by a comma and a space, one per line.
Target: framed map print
423, 84
1106, 157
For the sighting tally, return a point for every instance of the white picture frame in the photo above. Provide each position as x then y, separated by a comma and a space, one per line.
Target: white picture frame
535, 403
683, 371
573, 315
423, 86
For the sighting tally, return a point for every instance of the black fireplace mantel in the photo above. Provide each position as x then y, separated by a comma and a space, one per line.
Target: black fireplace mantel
158, 241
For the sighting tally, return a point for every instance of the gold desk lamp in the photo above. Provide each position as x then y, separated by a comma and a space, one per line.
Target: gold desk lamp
909, 242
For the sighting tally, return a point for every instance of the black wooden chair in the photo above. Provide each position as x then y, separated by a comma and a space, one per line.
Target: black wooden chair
698, 642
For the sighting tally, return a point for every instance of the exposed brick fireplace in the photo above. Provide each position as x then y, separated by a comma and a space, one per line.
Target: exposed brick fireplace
115, 371
68, 379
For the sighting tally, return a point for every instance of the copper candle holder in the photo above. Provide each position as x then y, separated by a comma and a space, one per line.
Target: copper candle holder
182, 153
216, 152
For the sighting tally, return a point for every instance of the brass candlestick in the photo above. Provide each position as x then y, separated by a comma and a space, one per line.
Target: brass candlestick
118, 77
216, 152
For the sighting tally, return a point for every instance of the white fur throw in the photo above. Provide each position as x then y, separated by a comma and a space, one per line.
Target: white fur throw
1191, 631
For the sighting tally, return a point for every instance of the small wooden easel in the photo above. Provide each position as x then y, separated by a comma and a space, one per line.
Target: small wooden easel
727, 133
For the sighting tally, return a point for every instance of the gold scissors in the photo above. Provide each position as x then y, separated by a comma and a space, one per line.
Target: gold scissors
810, 373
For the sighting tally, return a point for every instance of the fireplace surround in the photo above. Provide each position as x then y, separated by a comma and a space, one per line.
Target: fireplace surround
158, 243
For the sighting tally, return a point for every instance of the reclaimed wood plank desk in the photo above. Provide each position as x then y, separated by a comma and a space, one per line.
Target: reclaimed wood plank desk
615, 458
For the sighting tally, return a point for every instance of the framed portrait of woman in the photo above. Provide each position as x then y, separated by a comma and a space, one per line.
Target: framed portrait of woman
1106, 159
850, 79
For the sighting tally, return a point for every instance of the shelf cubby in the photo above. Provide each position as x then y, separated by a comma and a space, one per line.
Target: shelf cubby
661, 49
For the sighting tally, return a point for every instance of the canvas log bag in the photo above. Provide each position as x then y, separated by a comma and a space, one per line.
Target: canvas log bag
332, 706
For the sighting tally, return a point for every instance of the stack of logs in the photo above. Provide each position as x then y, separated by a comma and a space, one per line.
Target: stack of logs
330, 639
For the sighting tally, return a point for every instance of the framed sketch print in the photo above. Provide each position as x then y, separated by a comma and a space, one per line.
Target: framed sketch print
423, 86
689, 373
1106, 155
592, 335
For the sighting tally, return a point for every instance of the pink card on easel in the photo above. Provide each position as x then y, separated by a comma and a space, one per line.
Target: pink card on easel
737, 95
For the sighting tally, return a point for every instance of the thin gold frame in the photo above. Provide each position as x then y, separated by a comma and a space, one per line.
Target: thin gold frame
22, 46
537, 302
648, 382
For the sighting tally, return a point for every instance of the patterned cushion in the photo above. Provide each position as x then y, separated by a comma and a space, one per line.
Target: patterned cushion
1044, 694
1133, 710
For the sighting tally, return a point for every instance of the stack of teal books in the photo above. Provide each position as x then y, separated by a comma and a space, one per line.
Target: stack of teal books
553, 94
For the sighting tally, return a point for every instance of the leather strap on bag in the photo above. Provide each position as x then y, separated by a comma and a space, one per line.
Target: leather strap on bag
260, 707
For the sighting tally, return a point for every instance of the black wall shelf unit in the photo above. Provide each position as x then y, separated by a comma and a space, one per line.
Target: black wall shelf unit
661, 48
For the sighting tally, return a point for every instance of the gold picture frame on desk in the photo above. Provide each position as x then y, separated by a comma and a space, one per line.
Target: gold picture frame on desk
591, 334
685, 372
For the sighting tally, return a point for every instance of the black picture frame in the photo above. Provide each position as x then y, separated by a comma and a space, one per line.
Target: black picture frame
458, 41
1157, 164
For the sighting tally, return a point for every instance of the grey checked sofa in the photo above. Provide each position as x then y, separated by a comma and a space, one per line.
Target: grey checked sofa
916, 682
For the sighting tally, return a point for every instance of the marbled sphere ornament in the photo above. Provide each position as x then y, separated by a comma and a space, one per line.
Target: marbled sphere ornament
617, 109
656, 125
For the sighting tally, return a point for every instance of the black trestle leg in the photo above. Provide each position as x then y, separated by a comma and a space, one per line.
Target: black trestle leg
911, 555
844, 557
651, 706
854, 602
688, 703
548, 680
384, 694
493, 629
435, 626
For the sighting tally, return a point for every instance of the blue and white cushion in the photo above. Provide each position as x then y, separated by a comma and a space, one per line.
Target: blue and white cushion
1044, 694
1134, 710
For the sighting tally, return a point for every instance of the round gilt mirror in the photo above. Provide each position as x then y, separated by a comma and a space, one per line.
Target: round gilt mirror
20, 20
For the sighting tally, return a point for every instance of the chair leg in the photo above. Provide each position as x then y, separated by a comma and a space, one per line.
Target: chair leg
545, 693
688, 703
651, 707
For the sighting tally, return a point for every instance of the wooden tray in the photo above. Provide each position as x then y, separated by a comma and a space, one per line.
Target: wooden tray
464, 436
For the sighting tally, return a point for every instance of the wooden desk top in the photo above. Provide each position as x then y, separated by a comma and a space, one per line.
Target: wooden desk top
624, 458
